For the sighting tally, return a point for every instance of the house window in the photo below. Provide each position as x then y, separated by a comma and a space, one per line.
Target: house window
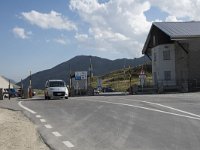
166, 55
167, 75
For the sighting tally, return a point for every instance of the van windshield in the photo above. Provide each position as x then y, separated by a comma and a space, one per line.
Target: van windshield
57, 84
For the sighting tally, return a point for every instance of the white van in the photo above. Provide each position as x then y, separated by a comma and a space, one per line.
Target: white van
55, 89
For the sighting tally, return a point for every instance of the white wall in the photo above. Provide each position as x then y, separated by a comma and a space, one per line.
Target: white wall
4, 83
161, 65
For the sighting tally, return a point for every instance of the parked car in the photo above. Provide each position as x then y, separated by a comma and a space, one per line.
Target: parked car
55, 89
33, 93
96, 91
5, 93
107, 89
12, 92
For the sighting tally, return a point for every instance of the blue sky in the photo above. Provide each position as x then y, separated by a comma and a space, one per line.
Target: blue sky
39, 34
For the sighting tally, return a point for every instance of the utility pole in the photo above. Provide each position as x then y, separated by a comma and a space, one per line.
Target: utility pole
22, 89
9, 90
90, 71
130, 77
30, 82
70, 80
30, 86
90, 89
124, 73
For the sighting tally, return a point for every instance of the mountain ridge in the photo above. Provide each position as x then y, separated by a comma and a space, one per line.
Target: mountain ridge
100, 65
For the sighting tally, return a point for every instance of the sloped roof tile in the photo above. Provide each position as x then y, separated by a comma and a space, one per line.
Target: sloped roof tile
176, 31
180, 29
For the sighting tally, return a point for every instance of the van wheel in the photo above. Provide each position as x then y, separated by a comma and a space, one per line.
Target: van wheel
66, 97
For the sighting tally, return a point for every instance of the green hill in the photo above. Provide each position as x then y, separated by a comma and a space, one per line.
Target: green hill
119, 80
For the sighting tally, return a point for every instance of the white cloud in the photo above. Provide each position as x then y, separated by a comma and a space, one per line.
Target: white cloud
179, 9
121, 25
117, 25
172, 19
81, 37
52, 20
108, 35
87, 6
60, 41
21, 33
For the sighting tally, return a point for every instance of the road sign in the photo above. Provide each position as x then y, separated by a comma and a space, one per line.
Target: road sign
142, 77
81, 75
99, 82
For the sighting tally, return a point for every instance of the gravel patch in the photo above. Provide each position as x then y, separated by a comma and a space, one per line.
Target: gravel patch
18, 133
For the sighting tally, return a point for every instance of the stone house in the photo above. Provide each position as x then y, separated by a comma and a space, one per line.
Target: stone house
174, 48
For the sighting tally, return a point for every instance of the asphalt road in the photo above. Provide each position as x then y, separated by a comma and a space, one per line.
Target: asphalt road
142, 122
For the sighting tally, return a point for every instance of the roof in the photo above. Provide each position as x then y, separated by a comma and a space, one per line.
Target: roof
4, 83
176, 31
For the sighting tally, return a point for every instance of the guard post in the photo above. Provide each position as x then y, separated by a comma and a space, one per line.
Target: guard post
1, 94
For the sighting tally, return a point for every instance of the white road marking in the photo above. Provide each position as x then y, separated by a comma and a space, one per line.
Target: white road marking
26, 108
172, 108
146, 108
48, 126
38, 116
164, 106
42, 120
68, 144
57, 134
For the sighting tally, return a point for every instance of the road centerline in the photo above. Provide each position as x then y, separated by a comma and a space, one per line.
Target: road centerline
145, 108
164, 106
172, 108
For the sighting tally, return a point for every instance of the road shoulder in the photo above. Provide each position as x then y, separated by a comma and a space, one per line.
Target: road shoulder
17, 132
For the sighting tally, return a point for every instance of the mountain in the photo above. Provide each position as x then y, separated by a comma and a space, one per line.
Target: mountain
100, 66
